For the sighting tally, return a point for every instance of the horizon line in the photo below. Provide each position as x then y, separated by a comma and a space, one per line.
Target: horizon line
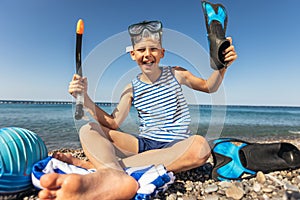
111, 103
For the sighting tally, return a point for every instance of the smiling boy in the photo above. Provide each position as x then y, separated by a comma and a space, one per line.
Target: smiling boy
164, 135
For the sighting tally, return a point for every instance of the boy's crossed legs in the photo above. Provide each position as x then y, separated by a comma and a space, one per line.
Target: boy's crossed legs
110, 181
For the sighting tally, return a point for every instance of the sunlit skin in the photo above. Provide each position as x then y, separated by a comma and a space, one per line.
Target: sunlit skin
147, 55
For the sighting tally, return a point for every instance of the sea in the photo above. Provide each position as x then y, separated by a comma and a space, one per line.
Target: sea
54, 121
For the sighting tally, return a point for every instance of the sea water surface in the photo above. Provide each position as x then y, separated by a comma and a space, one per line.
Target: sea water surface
54, 121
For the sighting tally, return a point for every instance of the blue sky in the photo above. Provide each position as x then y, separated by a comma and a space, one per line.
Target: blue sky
38, 41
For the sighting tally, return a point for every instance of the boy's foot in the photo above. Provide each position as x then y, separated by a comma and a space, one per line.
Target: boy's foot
68, 158
103, 184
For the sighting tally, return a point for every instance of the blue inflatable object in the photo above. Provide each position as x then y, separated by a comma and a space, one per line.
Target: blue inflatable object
19, 150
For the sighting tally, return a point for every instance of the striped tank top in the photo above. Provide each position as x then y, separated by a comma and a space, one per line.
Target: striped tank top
162, 109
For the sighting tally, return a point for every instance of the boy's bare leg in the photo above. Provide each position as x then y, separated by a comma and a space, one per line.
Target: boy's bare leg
184, 155
108, 182
68, 158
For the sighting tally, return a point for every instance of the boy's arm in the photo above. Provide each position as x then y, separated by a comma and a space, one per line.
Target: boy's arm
114, 120
213, 82
210, 85
79, 85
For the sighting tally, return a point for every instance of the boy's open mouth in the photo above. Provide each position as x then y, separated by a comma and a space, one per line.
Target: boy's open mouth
148, 63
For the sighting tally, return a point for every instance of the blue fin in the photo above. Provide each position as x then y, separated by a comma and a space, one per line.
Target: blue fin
216, 24
227, 161
236, 159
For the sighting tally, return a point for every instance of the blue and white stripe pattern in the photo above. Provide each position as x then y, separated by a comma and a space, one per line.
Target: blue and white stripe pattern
162, 109
152, 179
52, 165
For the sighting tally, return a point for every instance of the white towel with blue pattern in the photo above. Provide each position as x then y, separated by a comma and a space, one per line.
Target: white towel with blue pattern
152, 179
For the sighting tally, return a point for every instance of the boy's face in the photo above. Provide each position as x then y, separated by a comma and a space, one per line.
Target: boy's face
147, 53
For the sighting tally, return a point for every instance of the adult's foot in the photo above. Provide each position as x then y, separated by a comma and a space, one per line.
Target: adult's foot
106, 184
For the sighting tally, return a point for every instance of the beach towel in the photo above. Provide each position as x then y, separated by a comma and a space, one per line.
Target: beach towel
152, 179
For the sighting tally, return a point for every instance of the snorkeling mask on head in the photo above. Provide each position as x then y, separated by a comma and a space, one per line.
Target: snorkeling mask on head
145, 29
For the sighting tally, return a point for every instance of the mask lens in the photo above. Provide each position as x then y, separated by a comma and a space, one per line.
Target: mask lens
153, 26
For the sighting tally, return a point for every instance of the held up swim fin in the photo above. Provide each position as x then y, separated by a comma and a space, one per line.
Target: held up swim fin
216, 24
237, 159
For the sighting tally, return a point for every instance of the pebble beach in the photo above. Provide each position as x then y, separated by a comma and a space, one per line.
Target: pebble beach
197, 184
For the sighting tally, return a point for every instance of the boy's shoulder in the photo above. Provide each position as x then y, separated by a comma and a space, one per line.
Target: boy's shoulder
178, 68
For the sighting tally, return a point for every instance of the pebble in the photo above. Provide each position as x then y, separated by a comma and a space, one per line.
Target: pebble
267, 190
256, 187
211, 188
260, 177
224, 184
234, 192
172, 197
290, 187
212, 197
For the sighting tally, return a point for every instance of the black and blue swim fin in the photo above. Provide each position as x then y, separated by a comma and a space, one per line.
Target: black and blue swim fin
216, 24
237, 159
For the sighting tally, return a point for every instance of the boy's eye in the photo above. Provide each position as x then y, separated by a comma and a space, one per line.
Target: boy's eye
141, 49
153, 49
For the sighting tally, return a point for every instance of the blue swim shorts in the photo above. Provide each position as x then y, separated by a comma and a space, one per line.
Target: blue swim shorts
146, 144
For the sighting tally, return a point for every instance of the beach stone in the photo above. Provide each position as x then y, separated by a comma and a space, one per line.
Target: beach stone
267, 190
295, 180
235, 192
247, 189
265, 197
290, 187
212, 197
192, 197
225, 184
239, 184
189, 187
253, 195
260, 177
179, 194
172, 197
256, 187
289, 175
283, 173
274, 194
211, 189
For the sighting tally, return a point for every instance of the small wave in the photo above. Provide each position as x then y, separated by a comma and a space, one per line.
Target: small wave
294, 132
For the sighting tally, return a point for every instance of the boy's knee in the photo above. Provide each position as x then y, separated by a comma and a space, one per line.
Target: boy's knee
201, 148
92, 128
85, 129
